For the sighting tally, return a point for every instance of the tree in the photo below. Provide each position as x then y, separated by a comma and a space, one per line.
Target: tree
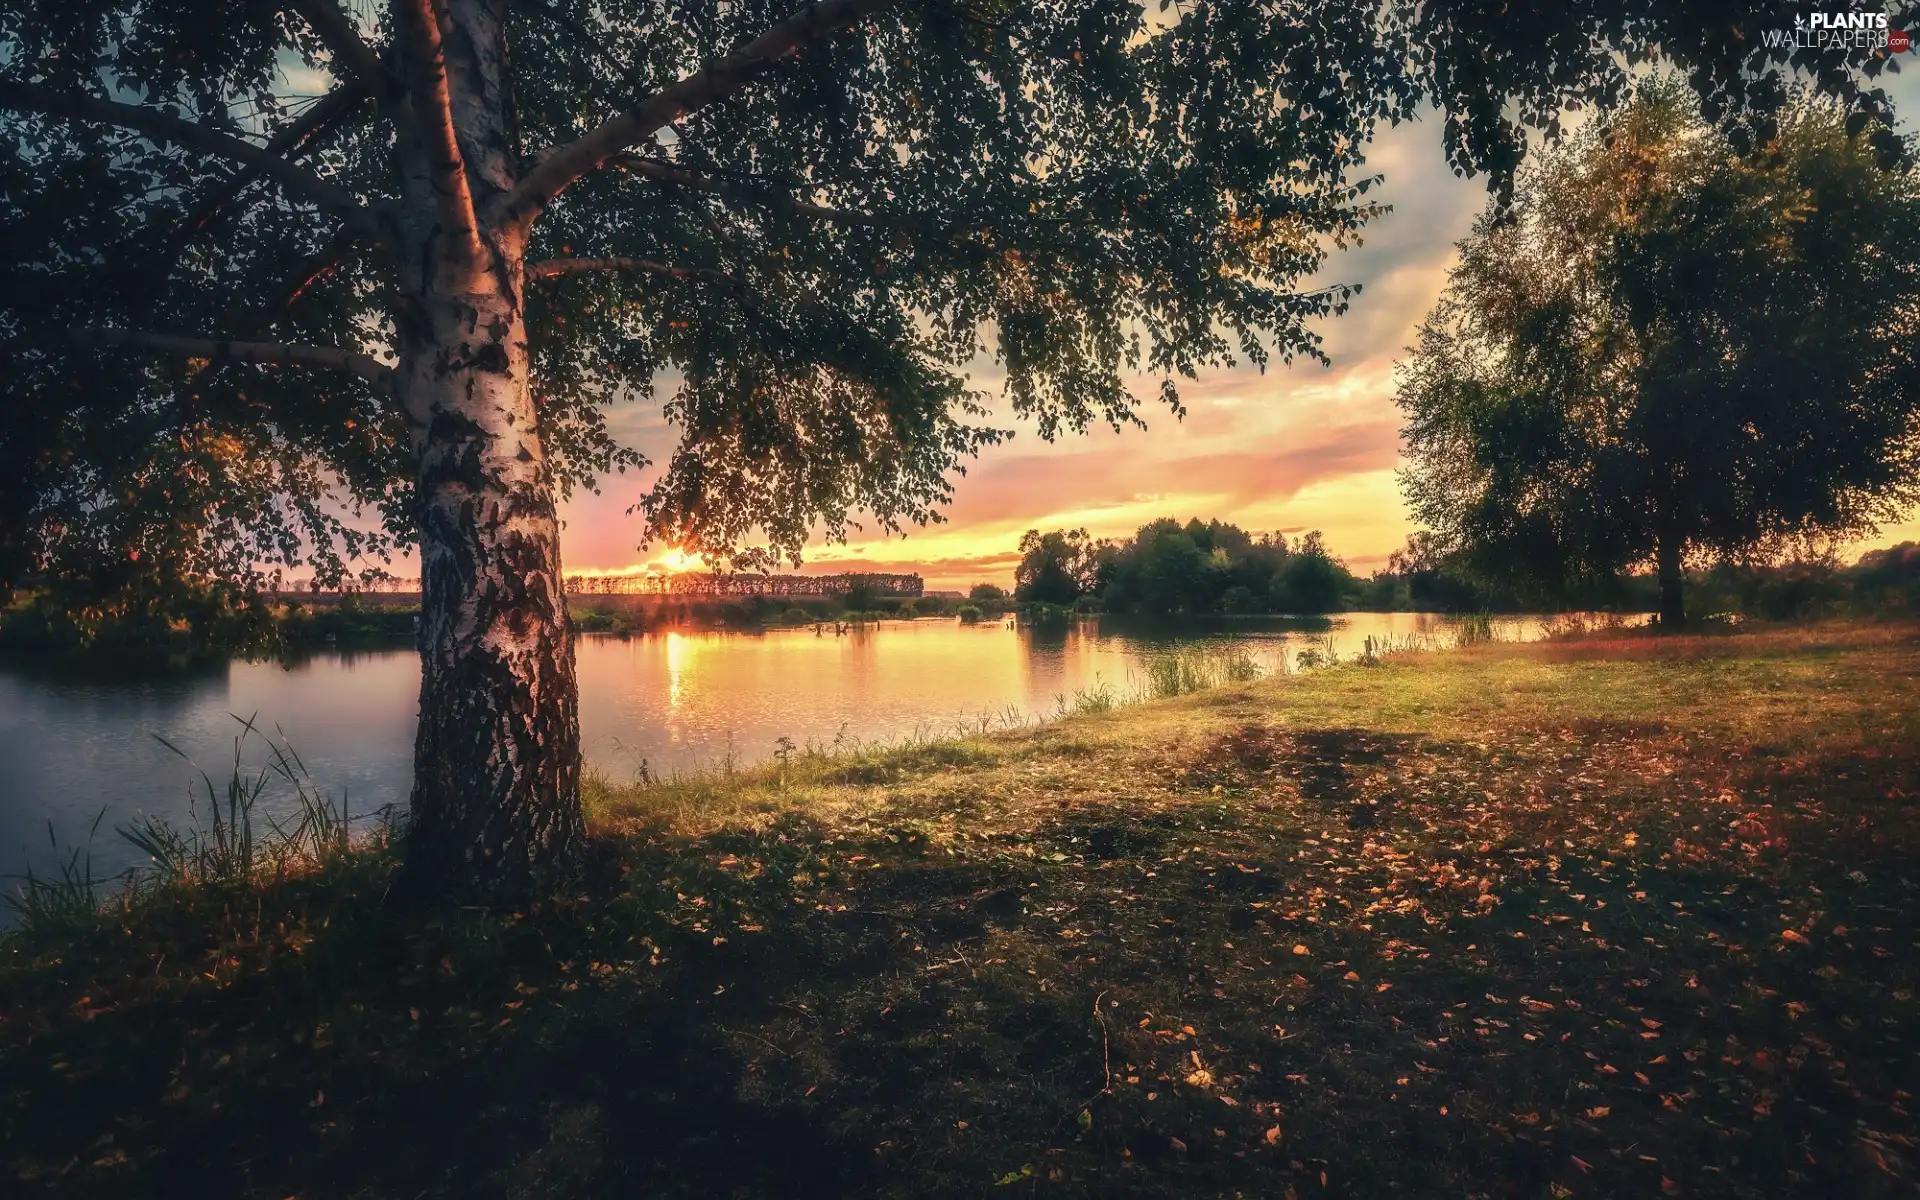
1163, 570
1055, 568
1671, 349
1199, 567
1313, 580
1889, 579
273, 269
1436, 579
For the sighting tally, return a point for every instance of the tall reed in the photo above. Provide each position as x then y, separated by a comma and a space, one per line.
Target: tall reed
1196, 669
1475, 629
230, 838
66, 899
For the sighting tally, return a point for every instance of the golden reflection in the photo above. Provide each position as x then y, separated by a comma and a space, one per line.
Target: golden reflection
679, 655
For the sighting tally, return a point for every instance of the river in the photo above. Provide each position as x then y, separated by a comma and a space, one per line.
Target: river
81, 746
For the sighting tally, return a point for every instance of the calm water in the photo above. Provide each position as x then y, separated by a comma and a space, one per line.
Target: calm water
76, 748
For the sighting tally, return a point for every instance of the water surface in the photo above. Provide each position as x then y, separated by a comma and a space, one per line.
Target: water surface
76, 747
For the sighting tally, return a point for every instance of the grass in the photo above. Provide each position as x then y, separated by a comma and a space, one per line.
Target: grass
1609, 915
1197, 669
229, 842
65, 899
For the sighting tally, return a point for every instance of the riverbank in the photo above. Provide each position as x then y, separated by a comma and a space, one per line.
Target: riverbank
1618, 915
288, 626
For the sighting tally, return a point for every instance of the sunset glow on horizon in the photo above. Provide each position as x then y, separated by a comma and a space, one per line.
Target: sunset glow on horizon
1298, 448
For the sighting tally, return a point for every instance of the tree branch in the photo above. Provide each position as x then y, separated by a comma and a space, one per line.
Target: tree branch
335, 29
278, 354
306, 273
311, 270
433, 101
288, 141
713, 82
164, 127
554, 267
666, 173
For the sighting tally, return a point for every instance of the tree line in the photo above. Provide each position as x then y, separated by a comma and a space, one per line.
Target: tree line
1167, 568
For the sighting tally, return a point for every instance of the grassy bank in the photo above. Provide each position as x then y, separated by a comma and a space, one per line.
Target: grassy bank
1622, 915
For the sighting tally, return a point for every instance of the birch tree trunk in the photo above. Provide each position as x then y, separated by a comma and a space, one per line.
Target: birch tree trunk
496, 793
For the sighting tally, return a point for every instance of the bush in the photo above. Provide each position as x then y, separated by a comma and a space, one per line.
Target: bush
594, 620
1239, 599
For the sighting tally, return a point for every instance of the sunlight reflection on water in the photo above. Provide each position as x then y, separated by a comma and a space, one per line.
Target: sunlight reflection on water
73, 747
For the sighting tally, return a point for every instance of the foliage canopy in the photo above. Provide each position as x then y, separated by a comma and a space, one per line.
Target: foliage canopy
1196, 568
1670, 348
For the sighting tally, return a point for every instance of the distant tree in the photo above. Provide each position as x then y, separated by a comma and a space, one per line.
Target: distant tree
1056, 567
988, 594
1888, 579
271, 268
862, 594
1896, 566
1669, 349
1164, 570
1437, 579
1198, 567
1313, 580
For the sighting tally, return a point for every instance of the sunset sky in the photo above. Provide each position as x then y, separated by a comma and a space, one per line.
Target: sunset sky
1298, 448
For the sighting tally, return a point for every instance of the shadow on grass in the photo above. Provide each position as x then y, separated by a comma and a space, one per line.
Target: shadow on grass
1566, 961
625, 1041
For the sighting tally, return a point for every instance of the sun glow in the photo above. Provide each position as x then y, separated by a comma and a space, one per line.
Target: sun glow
673, 562
676, 561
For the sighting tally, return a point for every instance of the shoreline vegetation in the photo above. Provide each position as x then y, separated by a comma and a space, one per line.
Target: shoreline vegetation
1196, 572
1604, 914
